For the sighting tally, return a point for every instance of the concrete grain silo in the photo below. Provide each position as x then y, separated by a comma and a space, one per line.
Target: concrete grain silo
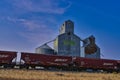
67, 43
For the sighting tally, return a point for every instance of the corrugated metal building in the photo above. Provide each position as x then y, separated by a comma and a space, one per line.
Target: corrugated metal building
67, 43
89, 48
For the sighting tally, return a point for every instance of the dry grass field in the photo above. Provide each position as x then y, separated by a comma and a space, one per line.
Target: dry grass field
51, 75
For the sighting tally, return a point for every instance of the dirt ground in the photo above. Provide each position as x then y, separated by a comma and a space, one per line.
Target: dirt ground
11, 74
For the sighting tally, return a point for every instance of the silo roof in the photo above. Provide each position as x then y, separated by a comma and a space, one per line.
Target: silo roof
45, 46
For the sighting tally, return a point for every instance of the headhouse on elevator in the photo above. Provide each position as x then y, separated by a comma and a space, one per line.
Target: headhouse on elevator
67, 43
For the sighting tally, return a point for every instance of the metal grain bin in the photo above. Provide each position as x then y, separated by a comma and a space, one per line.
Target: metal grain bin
44, 49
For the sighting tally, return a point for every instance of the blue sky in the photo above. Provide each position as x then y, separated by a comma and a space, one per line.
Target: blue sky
27, 24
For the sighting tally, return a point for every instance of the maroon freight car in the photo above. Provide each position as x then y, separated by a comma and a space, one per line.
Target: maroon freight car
6, 58
96, 64
32, 59
118, 63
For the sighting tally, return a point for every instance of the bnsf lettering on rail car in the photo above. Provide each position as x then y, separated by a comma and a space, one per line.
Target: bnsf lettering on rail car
108, 64
3, 56
60, 60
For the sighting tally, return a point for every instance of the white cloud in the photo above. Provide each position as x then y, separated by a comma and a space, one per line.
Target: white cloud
30, 25
44, 35
36, 31
13, 19
44, 6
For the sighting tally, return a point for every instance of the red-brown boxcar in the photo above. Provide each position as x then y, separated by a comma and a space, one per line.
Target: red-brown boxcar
96, 64
6, 58
33, 59
118, 63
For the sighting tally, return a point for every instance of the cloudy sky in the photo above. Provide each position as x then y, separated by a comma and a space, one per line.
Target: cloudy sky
27, 24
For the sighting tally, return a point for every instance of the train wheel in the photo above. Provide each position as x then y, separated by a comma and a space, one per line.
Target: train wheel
109, 71
33, 67
12, 66
5, 66
46, 68
27, 67
21, 67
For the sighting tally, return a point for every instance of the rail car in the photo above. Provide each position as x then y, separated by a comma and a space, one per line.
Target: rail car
68, 62
96, 64
8, 59
118, 64
46, 61
33, 60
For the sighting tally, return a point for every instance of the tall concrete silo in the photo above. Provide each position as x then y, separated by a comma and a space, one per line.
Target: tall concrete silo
67, 43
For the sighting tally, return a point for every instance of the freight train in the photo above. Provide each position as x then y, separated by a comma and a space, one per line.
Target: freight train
32, 60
